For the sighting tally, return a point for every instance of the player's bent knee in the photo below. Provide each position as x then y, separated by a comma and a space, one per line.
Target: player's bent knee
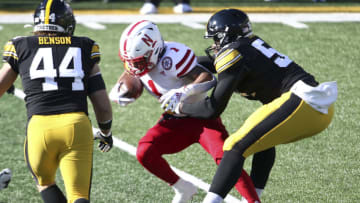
81, 200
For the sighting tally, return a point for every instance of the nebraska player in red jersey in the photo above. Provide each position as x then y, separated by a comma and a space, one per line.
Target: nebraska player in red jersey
165, 67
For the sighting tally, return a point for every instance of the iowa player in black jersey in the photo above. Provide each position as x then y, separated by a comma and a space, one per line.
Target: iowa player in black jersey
58, 72
295, 105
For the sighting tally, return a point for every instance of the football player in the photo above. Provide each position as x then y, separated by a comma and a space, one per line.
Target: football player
295, 105
58, 71
165, 67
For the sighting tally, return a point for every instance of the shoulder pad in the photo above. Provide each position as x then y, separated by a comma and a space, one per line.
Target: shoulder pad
227, 57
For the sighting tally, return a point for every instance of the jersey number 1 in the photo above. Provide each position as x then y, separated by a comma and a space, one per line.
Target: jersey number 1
49, 72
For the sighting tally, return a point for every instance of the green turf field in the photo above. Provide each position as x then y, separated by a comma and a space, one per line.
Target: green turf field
324, 168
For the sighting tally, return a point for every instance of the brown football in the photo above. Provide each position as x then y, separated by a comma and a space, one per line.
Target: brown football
131, 84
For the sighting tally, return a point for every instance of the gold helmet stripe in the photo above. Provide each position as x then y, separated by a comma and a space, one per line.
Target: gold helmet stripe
47, 11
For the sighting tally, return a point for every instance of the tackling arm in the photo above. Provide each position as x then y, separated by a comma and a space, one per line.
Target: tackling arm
213, 106
200, 81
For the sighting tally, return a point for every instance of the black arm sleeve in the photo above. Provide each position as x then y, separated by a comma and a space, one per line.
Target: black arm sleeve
207, 63
213, 106
95, 83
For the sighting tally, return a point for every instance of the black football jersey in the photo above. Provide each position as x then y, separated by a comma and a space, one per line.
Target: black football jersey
54, 71
265, 73
254, 69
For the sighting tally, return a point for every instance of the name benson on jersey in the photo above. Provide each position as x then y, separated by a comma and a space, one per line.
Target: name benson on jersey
54, 40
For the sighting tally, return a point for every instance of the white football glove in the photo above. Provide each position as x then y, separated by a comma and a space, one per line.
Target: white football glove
117, 94
5, 177
171, 100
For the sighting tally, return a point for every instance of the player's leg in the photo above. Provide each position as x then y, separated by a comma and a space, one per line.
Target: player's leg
168, 136
76, 157
284, 120
262, 164
41, 156
212, 140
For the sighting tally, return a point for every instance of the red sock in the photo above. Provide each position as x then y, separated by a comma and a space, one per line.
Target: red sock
246, 188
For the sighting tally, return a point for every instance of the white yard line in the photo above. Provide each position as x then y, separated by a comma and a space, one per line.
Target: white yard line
94, 25
295, 24
132, 151
296, 20
194, 25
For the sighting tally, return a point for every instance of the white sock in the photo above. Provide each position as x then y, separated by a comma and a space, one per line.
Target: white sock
259, 191
212, 198
178, 184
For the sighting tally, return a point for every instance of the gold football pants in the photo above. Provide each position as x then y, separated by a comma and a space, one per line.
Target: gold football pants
63, 140
286, 119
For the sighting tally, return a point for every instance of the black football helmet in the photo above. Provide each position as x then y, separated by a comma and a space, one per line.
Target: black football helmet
54, 16
227, 25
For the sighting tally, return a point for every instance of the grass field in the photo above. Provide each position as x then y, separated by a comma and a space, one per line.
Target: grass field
324, 168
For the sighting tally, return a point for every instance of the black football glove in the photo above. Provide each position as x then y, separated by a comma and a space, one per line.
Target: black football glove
106, 141
11, 90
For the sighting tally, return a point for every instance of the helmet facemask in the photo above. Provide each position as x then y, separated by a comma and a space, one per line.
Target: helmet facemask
220, 40
140, 65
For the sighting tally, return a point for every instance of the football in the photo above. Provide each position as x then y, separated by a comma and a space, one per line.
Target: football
131, 85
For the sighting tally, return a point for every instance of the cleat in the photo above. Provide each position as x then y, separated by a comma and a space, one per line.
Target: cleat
148, 8
182, 8
184, 191
5, 177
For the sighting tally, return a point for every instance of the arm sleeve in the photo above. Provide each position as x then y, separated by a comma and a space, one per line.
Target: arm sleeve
96, 82
213, 106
